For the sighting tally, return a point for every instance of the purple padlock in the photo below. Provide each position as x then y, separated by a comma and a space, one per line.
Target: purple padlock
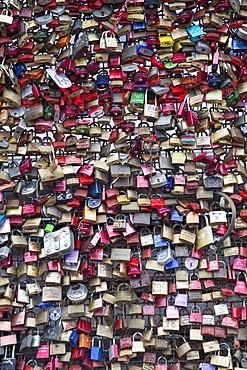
72, 257
181, 300
140, 86
207, 366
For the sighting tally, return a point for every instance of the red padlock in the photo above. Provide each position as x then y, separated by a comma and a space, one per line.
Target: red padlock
83, 326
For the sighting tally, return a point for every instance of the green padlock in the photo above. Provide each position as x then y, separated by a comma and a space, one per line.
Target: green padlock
40, 36
82, 129
93, 37
137, 100
178, 157
232, 97
49, 112
49, 228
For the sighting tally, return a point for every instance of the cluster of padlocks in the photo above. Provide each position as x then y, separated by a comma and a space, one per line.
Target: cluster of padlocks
123, 192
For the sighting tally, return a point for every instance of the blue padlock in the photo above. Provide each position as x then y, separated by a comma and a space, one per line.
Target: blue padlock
139, 27
2, 219
74, 338
142, 49
214, 80
158, 241
169, 186
176, 216
172, 265
95, 189
244, 130
19, 69
44, 304
102, 81
195, 33
96, 352
238, 44
94, 203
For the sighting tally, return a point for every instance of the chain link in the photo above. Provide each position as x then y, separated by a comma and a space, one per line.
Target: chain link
119, 17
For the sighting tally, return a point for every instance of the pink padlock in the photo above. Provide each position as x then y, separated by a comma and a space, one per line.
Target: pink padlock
59, 185
192, 117
12, 51
91, 270
59, 364
83, 228
244, 311
42, 125
28, 208
134, 272
97, 254
172, 312
71, 111
168, 108
30, 257
111, 232
149, 357
239, 264
182, 110
26, 165
104, 239
142, 182
113, 351
50, 364
86, 170
43, 351
7, 262
14, 27
130, 230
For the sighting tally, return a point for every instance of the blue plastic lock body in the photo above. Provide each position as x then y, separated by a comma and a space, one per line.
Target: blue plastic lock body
74, 338
19, 69
139, 27
172, 265
176, 217
238, 44
170, 185
158, 242
44, 304
244, 130
93, 203
142, 49
214, 80
102, 81
195, 33
95, 189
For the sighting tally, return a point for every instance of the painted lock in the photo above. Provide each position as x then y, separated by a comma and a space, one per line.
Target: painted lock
96, 351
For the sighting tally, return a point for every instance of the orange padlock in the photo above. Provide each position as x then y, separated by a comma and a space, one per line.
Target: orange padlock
84, 341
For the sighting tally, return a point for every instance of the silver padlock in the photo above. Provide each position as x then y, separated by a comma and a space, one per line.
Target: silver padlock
4, 252
59, 242
165, 256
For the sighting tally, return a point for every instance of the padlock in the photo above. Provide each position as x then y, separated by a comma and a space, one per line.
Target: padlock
9, 362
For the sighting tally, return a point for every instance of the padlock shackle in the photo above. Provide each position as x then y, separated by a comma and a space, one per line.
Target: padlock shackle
232, 224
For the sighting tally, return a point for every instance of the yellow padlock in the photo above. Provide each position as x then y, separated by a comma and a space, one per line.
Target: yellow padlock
165, 41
